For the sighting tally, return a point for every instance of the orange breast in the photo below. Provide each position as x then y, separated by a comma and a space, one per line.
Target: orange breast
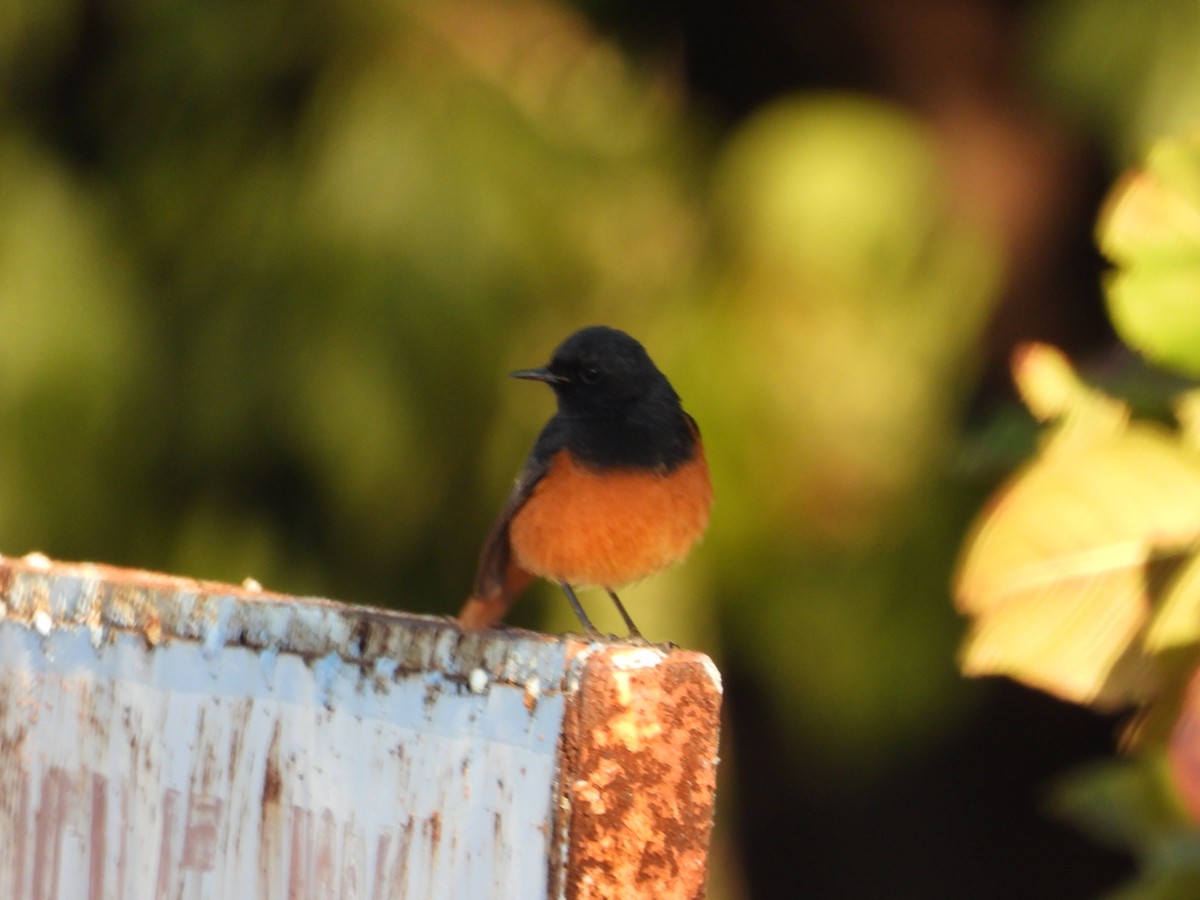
610, 528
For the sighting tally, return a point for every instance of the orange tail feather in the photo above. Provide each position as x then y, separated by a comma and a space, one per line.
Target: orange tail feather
487, 608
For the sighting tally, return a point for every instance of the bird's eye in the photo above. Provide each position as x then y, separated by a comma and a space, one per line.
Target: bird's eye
589, 375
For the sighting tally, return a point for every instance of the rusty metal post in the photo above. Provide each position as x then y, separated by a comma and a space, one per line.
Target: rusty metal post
162, 737
638, 758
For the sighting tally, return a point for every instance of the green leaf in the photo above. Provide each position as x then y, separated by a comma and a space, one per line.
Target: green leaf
1126, 803
1150, 228
1132, 804
1157, 312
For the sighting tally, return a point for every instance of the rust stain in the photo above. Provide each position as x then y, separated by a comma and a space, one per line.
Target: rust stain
152, 629
166, 853
202, 833
6, 580
299, 877
270, 837
533, 690
241, 720
48, 832
272, 780
400, 870
98, 849
324, 867
639, 756
97, 724
21, 847
382, 879
433, 829
354, 854
123, 850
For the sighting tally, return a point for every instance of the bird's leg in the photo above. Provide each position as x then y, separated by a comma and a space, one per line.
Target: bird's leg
633, 631
591, 629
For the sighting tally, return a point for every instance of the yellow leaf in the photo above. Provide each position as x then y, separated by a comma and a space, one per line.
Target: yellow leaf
1187, 413
1056, 571
1051, 390
1176, 623
1068, 638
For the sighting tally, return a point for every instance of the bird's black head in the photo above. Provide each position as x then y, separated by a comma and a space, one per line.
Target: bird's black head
600, 373
618, 406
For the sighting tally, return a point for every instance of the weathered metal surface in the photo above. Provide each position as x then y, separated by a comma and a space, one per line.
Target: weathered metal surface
639, 775
162, 737
165, 738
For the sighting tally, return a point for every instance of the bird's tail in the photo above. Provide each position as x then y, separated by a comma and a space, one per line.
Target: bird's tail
489, 602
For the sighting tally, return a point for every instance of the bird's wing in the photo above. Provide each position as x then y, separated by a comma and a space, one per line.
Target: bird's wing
498, 579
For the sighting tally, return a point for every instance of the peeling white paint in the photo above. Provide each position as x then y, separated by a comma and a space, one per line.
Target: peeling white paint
42, 622
203, 768
36, 560
632, 658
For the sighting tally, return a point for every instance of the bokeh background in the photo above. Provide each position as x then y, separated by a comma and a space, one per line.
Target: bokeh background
263, 267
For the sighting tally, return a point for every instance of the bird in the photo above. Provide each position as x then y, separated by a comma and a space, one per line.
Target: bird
616, 487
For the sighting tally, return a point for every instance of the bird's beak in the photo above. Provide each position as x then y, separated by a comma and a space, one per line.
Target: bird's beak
542, 374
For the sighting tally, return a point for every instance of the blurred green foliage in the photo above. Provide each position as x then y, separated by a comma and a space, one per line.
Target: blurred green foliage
265, 267
260, 253
1128, 72
1131, 804
847, 299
